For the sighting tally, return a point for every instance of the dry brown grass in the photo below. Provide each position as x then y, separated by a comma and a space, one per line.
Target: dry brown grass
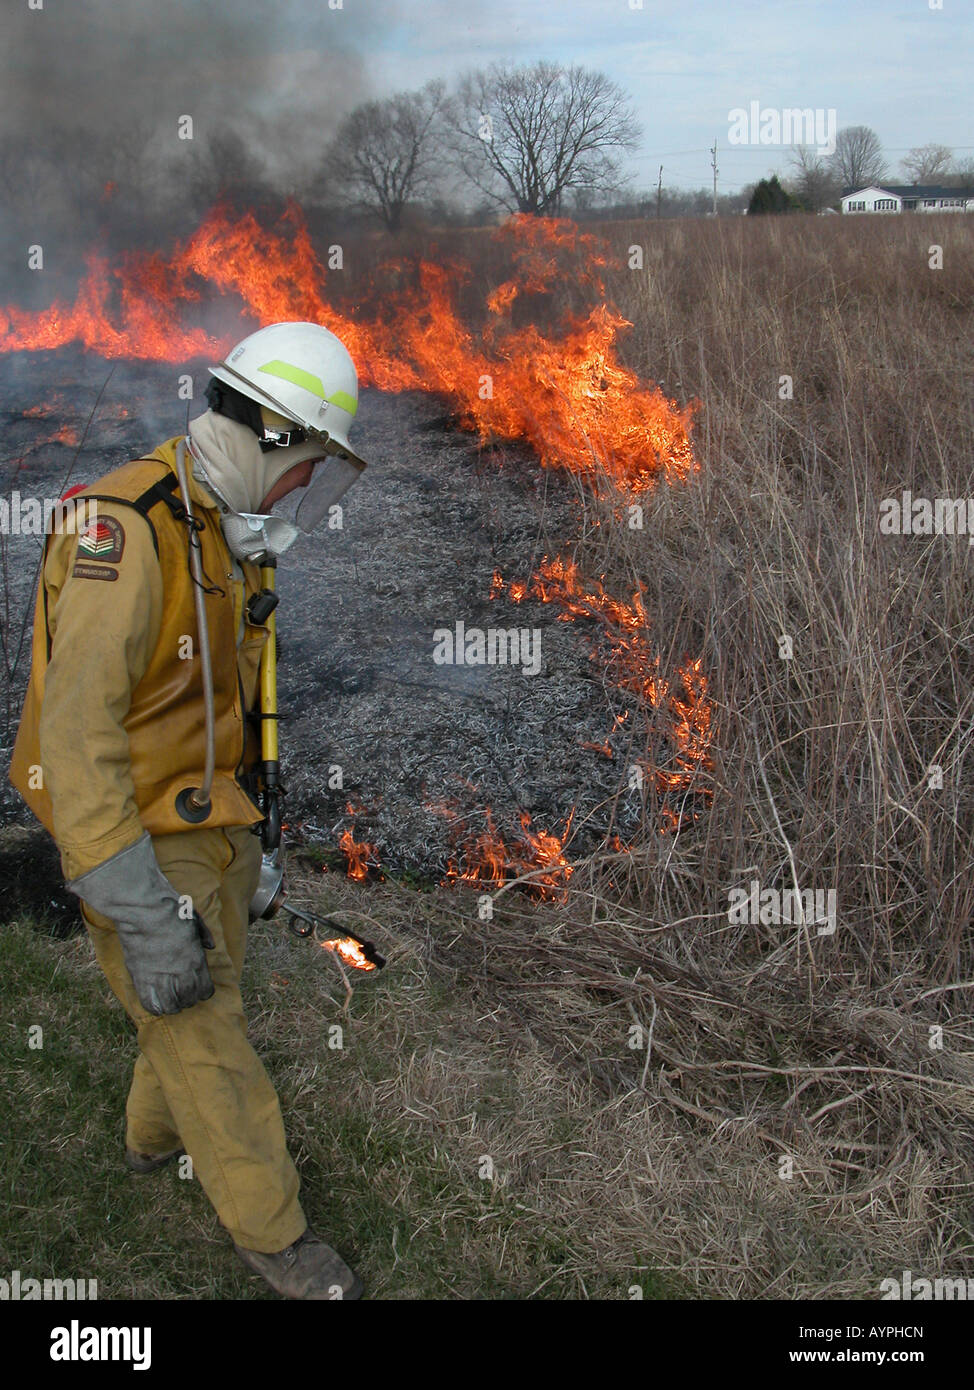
659, 1163
770, 1041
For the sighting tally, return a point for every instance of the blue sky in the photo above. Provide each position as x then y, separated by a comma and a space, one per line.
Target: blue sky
895, 65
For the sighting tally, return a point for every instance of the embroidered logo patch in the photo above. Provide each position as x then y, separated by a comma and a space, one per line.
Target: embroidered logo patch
104, 540
81, 571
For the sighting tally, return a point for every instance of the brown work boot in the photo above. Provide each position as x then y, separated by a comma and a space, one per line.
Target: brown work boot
148, 1163
307, 1269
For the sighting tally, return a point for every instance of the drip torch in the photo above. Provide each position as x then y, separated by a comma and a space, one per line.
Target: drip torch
269, 898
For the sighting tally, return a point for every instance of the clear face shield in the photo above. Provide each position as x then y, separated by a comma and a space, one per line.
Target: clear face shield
332, 478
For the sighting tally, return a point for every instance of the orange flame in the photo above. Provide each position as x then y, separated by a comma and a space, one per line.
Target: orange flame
566, 394
634, 666
488, 861
563, 390
360, 855
348, 950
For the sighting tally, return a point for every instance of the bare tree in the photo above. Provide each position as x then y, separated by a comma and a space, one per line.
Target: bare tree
927, 163
960, 174
812, 182
386, 153
526, 135
225, 165
858, 158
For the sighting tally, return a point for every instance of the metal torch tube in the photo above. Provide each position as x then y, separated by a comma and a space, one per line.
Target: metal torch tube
271, 766
201, 796
268, 676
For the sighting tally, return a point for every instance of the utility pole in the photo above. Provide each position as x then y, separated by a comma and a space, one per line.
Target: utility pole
659, 192
713, 161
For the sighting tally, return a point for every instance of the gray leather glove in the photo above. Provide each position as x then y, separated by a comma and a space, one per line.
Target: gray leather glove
163, 951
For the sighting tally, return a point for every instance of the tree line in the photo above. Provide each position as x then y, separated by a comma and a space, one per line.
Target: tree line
541, 138
815, 181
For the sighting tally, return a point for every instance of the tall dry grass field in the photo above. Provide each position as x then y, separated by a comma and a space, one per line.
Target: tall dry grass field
795, 1113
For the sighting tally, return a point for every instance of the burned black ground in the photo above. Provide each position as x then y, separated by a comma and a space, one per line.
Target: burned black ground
424, 749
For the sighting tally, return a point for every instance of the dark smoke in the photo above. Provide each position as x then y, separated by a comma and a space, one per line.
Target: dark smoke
91, 93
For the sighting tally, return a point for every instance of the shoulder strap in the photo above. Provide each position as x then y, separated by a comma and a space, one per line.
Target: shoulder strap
160, 491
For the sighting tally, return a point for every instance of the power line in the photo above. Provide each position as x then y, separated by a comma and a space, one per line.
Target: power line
758, 149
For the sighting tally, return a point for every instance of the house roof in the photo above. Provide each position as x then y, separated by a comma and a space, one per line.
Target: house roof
927, 190
858, 192
912, 190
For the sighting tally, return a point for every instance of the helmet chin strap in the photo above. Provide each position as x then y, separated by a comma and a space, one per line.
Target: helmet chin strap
322, 436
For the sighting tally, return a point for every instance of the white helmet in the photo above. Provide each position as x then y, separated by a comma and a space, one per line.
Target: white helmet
303, 372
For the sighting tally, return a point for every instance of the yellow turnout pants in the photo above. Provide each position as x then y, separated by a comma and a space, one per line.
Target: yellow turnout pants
198, 1084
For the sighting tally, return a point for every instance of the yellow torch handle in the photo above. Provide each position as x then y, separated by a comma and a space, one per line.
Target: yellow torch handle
268, 677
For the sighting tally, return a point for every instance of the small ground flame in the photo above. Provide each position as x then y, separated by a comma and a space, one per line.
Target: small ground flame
486, 860
350, 952
635, 667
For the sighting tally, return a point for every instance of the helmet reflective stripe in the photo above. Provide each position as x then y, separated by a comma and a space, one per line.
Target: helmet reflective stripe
299, 377
344, 401
288, 372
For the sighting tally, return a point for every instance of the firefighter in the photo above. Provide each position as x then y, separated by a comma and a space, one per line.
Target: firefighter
134, 752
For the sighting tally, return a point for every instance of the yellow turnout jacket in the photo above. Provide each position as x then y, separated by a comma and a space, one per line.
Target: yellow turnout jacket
113, 721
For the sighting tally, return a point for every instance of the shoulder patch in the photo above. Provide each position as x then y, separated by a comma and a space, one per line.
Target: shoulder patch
82, 571
103, 539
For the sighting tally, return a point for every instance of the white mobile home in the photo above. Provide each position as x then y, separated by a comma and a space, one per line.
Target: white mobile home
899, 197
872, 200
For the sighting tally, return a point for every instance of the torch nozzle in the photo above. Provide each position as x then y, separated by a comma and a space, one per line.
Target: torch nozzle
312, 922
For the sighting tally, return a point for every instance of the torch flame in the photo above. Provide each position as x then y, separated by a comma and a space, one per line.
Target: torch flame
349, 950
